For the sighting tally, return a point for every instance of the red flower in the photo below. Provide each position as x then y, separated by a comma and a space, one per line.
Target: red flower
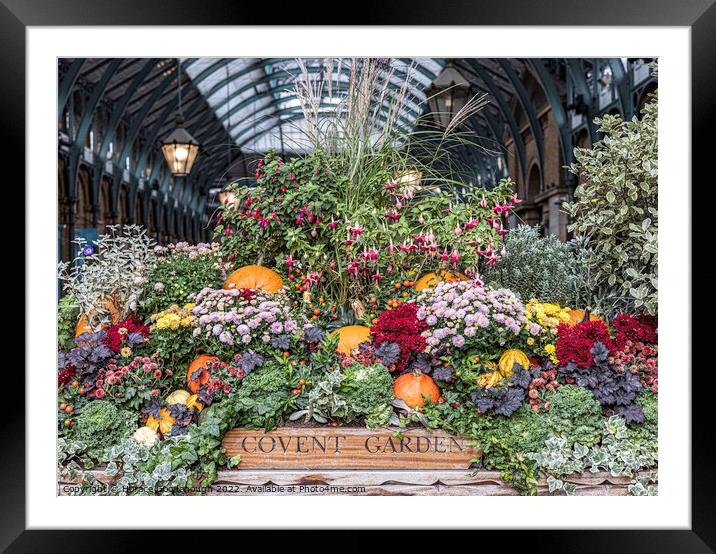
574, 344
401, 326
114, 339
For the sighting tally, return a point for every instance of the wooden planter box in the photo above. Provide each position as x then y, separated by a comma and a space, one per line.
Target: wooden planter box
314, 461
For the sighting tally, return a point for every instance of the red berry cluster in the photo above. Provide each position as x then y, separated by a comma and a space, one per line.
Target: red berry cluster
538, 389
574, 343
401, 326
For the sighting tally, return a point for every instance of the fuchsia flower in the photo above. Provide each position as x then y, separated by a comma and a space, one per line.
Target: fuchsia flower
483, 202
356, 230
353, 267
333, 224
370, 254
392, 215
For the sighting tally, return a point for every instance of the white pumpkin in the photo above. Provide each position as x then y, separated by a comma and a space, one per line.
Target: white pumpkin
145, 436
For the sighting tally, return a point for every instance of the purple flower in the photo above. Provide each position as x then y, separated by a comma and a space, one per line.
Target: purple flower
87, 250
458, 341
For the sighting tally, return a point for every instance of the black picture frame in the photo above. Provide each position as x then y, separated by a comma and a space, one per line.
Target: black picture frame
699, 15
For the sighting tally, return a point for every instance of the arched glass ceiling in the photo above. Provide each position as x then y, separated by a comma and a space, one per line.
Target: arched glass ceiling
255, 98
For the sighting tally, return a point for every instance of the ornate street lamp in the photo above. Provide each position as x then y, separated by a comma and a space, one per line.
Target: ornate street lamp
448, 94
180, 149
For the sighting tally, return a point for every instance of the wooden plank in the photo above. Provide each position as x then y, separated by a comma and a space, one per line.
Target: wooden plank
349, 448
271, 482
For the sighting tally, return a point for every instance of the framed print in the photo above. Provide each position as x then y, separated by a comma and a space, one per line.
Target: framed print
332, 277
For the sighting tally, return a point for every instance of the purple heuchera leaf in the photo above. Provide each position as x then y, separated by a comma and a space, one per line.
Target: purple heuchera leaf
388, 352
204, 396
282, 342
631, 413
181, 413
153, 407
423, 363
313, 334
510, 402
177, 430
135, 338
250, 360
442, 373
522, 377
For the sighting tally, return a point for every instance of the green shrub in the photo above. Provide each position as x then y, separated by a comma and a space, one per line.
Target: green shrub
615, 206
575, 415
101, 425
535, 267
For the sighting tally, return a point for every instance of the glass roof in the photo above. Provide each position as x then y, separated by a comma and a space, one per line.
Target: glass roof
256, 101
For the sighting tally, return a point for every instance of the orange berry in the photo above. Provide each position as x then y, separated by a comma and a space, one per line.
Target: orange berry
63, 406
69, 409
285, 354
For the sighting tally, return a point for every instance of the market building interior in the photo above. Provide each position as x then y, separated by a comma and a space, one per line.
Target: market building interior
154, 141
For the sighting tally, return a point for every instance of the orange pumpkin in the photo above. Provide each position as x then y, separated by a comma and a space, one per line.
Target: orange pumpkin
414, 388
577, 316
163, 423
430, 280
254, 277
350, 336
200, 362
83, 325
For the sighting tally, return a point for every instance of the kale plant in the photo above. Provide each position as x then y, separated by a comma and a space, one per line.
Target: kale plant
101, 425
368, 389
264, 397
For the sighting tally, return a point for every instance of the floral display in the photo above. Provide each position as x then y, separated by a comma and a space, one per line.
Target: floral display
337, 294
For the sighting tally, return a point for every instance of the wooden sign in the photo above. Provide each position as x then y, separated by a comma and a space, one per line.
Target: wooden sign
349, 448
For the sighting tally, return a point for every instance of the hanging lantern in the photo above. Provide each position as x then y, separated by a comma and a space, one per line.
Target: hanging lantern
448, 94
180, 149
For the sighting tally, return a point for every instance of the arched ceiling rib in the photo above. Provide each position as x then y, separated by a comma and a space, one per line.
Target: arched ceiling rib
255, 99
